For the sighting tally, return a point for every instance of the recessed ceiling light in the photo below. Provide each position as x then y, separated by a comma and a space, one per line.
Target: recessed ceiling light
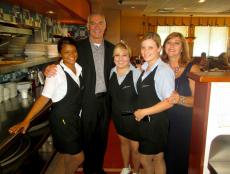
201, 1
50, 12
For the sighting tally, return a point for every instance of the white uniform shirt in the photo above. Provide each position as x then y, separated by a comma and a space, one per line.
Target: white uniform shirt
164, 78
55, 87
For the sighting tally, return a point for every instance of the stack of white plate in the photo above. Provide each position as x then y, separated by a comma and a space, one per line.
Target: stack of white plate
17, 45
52, 50
35, 49
13, 89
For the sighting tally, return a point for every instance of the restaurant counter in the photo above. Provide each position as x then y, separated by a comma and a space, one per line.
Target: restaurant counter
16, 149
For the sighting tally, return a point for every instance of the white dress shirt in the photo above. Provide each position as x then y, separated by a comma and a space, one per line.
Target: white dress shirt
55, 87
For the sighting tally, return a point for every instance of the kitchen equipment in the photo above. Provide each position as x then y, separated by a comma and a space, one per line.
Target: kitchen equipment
12, 157
23, 88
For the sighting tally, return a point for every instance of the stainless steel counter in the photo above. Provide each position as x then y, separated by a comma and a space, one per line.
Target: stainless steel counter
219, 161
13, 111
30, 62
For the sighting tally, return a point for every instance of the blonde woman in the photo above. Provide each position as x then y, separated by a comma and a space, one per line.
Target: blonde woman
123, 78
154, 86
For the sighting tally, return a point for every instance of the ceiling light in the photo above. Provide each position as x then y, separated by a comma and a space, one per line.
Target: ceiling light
201, 1
133, 7
50, 12
166, 10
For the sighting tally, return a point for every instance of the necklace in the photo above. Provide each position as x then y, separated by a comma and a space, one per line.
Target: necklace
176, 69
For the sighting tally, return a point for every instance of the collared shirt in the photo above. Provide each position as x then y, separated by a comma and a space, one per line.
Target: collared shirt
164, 78
136, 75
98, 51
55, 87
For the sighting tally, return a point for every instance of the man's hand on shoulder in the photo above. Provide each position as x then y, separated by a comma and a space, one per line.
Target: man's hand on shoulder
50, 70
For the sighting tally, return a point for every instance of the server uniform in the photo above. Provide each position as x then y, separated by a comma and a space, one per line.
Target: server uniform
154, 128
64, 119
123, 100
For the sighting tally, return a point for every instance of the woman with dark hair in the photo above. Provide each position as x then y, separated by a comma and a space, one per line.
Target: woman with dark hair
65, 90
176, 54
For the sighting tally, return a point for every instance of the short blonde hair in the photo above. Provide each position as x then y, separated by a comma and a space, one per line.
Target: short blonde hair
122, 45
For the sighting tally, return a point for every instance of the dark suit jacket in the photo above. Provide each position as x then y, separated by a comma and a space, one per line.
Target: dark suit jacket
85, 59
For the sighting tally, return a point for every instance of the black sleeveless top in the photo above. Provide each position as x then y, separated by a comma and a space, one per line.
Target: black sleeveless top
124, 95
147, 95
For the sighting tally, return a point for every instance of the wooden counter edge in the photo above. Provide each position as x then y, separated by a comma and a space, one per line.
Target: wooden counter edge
210, 76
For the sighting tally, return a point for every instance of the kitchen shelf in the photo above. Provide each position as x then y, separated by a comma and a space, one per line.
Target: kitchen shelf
14, 24
30, 62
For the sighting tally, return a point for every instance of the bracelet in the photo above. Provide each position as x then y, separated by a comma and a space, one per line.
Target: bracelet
181, 100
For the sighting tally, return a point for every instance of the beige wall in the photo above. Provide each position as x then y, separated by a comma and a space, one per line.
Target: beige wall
130, 27
113, 18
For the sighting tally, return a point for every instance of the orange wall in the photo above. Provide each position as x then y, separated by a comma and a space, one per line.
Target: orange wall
113, 19
130, 27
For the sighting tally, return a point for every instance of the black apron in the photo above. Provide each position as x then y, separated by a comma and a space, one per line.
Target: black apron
123, 100
153, 128
65, 120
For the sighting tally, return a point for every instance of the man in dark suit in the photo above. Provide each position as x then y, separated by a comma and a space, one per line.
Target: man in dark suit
95, 57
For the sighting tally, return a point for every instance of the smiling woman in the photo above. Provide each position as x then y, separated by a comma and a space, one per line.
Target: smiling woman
65, 90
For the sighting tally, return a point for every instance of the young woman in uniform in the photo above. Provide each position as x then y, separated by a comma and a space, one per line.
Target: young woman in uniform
123, 78
65, 91
154, 86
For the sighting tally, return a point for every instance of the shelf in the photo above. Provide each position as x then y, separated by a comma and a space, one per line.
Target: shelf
14, 24
30, 62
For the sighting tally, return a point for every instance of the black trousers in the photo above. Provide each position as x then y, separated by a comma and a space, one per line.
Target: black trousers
95, 137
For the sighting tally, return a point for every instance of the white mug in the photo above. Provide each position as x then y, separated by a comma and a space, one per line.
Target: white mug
6, 93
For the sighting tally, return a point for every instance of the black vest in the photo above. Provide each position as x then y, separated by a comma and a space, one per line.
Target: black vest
123, 96
147, 95
71, 103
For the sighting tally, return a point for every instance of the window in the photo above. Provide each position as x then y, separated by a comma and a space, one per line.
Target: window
164, 31
212, 40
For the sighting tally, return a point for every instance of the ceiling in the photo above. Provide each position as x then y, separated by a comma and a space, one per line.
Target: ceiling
69, 11
167, 7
